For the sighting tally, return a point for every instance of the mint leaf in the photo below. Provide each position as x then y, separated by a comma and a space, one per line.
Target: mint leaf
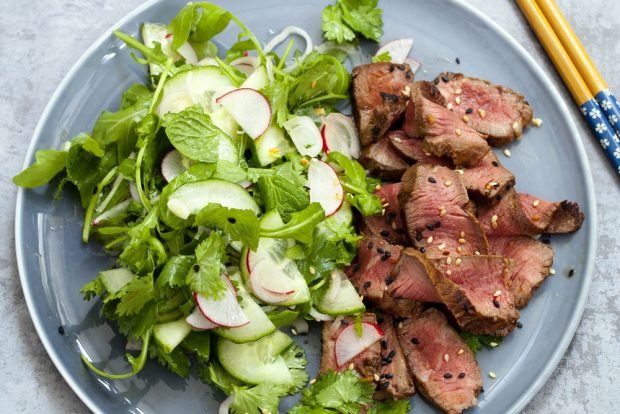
204, 277
333, 27
48, 163
300, 227
282, 194
240, 225
193, 134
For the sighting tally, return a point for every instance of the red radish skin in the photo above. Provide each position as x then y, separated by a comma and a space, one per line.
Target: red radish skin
226, 311
325, 187
348, 344
339, 134
198, 321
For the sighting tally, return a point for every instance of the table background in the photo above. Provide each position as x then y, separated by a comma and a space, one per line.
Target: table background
40, 41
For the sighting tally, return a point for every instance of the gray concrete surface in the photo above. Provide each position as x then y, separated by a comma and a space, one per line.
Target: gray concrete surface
40, 41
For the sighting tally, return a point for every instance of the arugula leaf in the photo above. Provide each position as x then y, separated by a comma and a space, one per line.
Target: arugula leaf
300, 227
333, 27
121, 125
175, 270
193, 134
356, 185
240, 225
48, 163
213, 21
280, 193
364, 17
390, 407
264, 397
383, 57
342, 392
204, 277
133, 94
295, 359
475, 342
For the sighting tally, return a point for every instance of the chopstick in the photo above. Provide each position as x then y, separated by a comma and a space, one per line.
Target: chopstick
575, 80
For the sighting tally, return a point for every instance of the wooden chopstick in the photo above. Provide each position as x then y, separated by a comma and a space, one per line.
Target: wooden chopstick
583, 96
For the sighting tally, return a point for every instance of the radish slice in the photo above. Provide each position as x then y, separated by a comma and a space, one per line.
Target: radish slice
249, 108
301, 326
197, 320
225, 311
271, 295
339, 135
305, 135
397, 48
246, 64
325, 187
413, 64
266, 280
172, 165
349, 344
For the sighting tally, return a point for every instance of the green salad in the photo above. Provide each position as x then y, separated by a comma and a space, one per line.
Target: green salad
225, 186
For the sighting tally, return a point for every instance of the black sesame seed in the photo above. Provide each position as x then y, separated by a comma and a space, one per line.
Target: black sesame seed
391, 216
344, 322
388, 376
461, 375
496, 303
367, 284
356, 267
445, 79
400, 67
375, 131
383, 363
498, 198
392, 354
232, 220
495, 163
61, 330
388, 254
370, 245
431, 226
383, 344
196, 268
469, 111
571, 272
481, 389
422, 250
458, 61
380, 250
418, 235
438, 224
385, 233
432, 180
447, 375
389, 97
415, 341
388, 360
384, 257
389, 280
391, 68
299, 355
436, 81
385, 384
519, 325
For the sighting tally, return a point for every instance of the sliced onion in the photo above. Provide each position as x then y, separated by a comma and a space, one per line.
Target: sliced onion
117, 210
286, 32
398, 49
301, 326
246, 64
320, 316
415, 65
353, 53
189, 54
133, 345
134, 192
225, 405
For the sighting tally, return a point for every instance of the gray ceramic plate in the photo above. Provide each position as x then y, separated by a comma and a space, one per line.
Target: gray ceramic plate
549, 162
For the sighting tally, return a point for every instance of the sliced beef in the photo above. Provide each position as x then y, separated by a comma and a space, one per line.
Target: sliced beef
477, 291
531, 263
380, 92
371, 275
488, 178
395, 379
493, 110
437, 213
444, 133
383, 160
410, 278
411, 149
367, 363
444, 368
430, 91
520, 214
388, 226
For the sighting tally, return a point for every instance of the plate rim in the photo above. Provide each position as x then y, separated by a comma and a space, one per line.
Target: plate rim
533, 388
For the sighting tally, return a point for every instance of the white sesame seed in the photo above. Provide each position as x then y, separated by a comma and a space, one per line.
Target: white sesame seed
497, 293
460, 352
507, 152
552, 271
457, 261
351, 366
446, 357
430, 239
493, 344
458, 132
386, 205
458, 91
537, 122
376, 377
462, 234
442, 212
449, 106
494, 224
449, 260
459, 249
378, 187
397, 139
448, 272
465, 118
448, 183
312, 270
394, 226
515, 125
457, 100
461, 172
536, 203
442, 246
494, 218
492, 374
462, 241
312, 381
477, 253
400, 325
294, 331
481, 113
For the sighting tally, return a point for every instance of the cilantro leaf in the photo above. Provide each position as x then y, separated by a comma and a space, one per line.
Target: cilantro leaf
92, 289
300, 227
175, 270
333, 27
134, 295
175, 361
199, 343
193, 134
264, 397
475, 342
204, 277
390, 407
364, 17
240, 225
295, 359
213, 373
48, 163
383, 57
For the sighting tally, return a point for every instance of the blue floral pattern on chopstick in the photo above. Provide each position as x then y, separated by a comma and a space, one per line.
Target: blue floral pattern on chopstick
603, 127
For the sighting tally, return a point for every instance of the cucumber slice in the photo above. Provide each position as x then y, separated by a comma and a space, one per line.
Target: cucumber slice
226, 123
191, 198
346, 301
257, 79
260, 325
258, 361
114, 280
271, 146
170, 334
195, 86
156, 32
